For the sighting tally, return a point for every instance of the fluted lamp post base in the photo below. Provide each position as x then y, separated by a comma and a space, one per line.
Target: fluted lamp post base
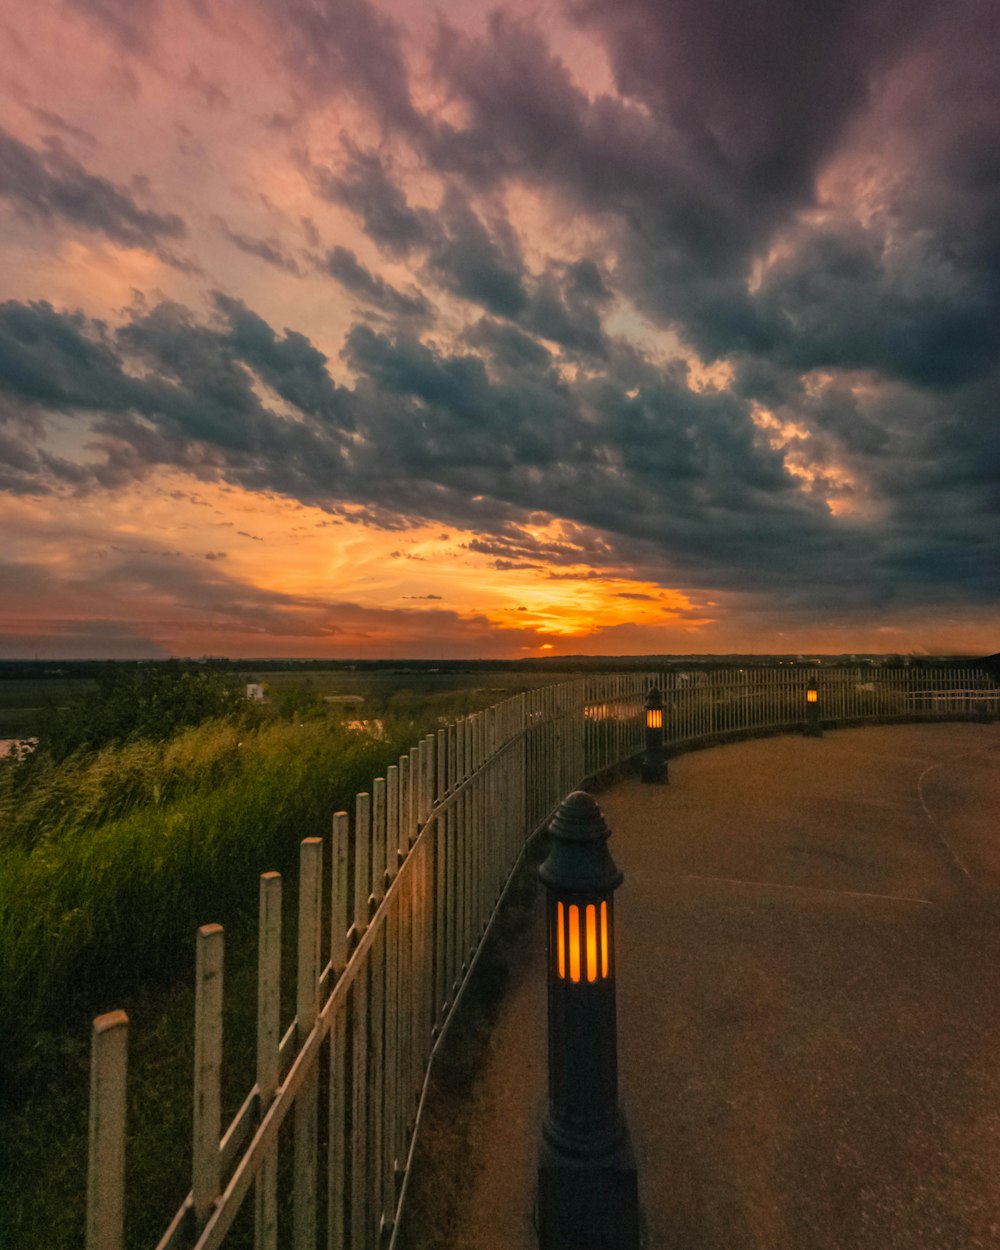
653, 770
587, 1188
588, 1203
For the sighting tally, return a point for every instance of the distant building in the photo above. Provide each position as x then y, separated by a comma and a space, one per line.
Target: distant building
256, 692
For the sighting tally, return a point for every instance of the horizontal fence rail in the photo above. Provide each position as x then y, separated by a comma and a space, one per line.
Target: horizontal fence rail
393, 909
713, 704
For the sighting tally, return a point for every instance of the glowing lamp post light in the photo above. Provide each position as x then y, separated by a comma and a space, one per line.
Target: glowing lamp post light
587, 1188
654, 760
813, 727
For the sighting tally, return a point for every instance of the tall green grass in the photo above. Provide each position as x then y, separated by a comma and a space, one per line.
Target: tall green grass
108, 862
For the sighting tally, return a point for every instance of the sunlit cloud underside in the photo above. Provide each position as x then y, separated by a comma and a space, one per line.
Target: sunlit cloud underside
361, 329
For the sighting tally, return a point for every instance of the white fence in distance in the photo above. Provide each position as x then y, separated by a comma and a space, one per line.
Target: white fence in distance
412, 884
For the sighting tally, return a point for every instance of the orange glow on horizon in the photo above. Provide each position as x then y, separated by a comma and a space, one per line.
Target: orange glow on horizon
213, 569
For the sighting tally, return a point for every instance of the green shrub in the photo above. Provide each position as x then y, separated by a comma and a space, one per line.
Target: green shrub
143, 702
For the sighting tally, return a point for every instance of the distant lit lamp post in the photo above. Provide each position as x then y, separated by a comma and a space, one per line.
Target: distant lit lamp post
813, 727
587, 1187
654, 760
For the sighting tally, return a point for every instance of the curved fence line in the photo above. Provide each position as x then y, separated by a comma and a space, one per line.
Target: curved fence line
394, 908
713, 704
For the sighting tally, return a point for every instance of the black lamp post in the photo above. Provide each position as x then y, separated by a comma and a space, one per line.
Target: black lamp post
654, 759
587, 1187
813, 728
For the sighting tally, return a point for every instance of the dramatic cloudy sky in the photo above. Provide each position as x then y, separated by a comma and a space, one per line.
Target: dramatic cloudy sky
344, 327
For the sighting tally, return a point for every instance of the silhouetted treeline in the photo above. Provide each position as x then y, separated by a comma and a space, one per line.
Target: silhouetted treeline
149, 702
99, 669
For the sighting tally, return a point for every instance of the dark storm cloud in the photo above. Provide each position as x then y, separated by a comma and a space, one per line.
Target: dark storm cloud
585, 282
475, 261
724, 121
478, 264
562, 310
527, 120
454, 416
686, 227
22, 472
59, 359
195, 405
708, 156
49, 183
331, 46
364, 184
704, 445
861, 311
686, 233
290, 364
525, 116
269, 249
343, 264
762, 91
914, 292
646, 473
509, 348
838, 301
678, 472
437, 437
26, 470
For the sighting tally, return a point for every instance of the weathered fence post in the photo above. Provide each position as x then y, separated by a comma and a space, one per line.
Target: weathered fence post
206, 1167
106, 1163
268, 1050
587, 1185
306, 1007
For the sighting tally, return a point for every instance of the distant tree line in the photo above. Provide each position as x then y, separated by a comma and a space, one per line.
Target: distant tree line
98, 669
149, 702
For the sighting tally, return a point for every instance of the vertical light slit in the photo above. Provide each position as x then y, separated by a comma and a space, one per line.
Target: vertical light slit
591, 942
561, 942
604, 939
574, 942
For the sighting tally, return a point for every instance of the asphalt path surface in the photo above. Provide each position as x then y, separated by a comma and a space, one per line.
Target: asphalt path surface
808, 945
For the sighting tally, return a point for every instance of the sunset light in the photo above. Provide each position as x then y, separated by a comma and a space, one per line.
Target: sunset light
383, 331
416, 419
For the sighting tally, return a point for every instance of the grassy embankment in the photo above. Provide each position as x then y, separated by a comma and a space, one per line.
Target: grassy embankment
108, 862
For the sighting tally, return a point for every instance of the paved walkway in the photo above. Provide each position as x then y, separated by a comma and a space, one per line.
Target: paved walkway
809, 1002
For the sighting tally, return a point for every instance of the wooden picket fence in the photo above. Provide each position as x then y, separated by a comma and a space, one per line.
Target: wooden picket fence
392, 914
